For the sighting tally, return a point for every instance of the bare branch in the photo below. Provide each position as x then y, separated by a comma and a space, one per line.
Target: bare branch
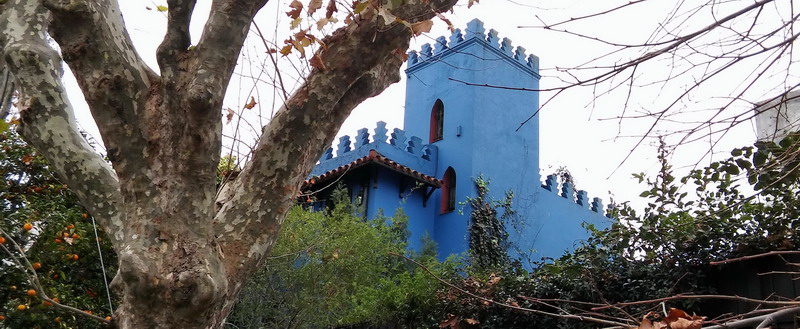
771, 253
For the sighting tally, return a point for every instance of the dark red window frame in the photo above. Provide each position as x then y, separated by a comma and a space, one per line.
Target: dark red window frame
448, 200
437, 122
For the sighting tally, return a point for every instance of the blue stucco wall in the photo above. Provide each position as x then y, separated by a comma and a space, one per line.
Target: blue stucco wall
386, 198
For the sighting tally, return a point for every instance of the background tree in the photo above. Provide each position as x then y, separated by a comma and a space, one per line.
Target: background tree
183, 254
60, 244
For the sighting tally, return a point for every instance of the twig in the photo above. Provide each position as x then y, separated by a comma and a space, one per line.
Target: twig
682, 296
762, 320
771, 253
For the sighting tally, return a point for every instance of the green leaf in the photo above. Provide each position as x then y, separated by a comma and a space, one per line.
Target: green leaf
161, 8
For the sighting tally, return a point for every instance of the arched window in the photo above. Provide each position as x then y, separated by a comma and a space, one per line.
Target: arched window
437, 121
448, 201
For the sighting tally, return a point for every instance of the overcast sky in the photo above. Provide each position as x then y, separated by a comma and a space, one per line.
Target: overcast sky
572, 130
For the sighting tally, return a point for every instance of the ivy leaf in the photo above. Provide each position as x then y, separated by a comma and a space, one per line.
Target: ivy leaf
313, 6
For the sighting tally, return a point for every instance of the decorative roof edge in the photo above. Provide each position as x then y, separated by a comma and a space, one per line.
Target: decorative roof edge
474, 33
580, 197
373, 157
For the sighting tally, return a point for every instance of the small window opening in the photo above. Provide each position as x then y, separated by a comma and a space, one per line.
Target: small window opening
437, 121
448, 201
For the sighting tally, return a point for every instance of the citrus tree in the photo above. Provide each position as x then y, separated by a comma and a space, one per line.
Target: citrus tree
43, 217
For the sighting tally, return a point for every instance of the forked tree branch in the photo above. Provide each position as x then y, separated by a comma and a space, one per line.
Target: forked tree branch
47, 118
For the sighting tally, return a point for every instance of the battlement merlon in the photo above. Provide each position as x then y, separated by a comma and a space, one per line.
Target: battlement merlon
475, 33
580, 197
407, 151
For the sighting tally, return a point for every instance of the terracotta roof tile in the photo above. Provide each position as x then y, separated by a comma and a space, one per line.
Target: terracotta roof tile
377, 158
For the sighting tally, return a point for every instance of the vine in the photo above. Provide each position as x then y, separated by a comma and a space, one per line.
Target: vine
488, 238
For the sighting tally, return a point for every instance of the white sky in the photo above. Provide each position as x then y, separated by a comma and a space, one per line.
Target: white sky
571, 133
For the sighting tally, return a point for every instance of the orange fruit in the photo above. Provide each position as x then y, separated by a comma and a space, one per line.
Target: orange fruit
46, 303
55, 277
58, 241
70, 226
27, 226
76, 236
55, 299
66, 234
85, 215
2, 317
108, 318
37, 265
2, 240
57, 320
22, 307
74, 256
88, 312
31, 292
13, 287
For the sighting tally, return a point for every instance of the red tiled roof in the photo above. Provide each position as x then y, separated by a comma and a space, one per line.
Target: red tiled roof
377, 158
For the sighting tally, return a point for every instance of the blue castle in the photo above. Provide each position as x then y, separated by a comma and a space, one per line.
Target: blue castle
455, 132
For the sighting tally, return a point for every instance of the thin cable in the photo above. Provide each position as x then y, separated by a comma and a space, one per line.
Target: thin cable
102, 266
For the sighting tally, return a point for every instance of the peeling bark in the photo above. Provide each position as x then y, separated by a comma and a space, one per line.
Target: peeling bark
183, 258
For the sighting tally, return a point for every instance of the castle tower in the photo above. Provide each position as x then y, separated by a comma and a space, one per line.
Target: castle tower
470, 112
470, 94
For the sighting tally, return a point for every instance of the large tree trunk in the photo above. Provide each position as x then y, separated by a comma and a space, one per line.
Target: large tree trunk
183, 257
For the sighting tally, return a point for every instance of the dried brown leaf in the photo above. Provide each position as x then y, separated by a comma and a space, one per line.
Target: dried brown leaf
330, 9
316, 62
451, 322
229, 116
472, 2
297, 8
313, 6
251, 104
286, 50
421, 27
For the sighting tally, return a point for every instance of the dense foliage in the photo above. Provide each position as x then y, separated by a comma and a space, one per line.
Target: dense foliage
334, 267
743, 205
60, 242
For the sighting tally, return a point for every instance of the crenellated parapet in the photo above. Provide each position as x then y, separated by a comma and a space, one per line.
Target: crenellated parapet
404, 150
566, 190
474, 33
